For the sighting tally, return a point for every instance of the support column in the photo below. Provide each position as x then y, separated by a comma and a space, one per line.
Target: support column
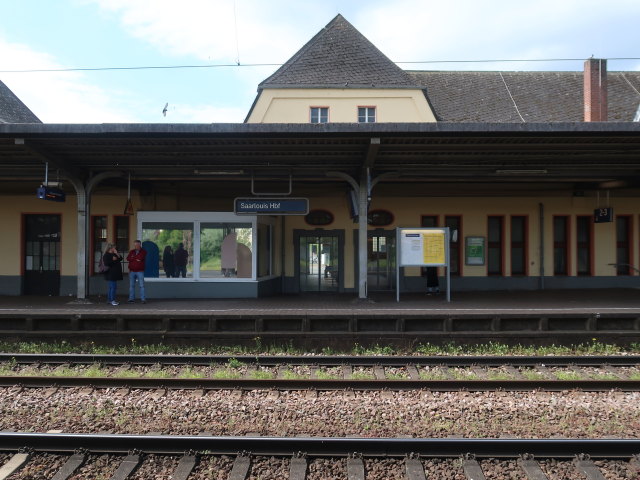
363, 227
83, 194
82, 240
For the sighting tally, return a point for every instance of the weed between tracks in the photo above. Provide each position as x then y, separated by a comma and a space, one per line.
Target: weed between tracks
491, 348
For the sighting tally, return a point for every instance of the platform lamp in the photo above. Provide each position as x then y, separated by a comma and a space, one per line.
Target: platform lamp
128, 207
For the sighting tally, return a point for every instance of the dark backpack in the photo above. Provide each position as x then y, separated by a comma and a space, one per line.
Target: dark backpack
102, 268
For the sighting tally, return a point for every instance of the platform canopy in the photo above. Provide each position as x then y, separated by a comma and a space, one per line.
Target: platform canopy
460, 159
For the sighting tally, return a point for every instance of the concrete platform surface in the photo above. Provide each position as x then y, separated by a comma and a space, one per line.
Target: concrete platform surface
580, 302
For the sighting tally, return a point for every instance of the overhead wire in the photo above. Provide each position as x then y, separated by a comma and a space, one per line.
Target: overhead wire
247, 65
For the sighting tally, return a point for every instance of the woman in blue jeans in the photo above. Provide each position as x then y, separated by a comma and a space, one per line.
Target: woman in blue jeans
112, 262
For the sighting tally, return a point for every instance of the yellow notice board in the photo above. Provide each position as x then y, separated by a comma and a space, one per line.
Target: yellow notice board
423, 247
433, 245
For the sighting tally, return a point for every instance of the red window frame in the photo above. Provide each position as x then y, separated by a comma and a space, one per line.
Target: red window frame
588, 246
493, 245
564, 246
628, 244
524, 245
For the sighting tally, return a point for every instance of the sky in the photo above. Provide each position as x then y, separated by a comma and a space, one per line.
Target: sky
227, 38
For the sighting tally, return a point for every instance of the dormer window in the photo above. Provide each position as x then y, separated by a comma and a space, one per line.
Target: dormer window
366, 114
319, 114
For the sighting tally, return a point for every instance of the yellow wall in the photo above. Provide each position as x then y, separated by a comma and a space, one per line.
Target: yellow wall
407, 212
292, 105
13, 207
474, 213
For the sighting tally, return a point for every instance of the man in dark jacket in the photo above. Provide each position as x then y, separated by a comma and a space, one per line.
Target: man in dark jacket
136, 271
113, 272
180, 260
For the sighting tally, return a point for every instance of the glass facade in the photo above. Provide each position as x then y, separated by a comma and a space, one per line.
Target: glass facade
206, 246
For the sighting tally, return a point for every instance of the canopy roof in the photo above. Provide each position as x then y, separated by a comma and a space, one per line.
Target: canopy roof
452, 158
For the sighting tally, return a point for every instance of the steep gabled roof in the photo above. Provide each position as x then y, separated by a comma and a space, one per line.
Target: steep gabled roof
12, 110
505, 97
339, 56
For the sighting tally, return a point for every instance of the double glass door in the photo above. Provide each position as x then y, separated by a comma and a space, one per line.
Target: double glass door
381, 261
319, 263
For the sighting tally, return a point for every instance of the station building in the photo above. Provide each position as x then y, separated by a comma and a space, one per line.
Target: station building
538, 171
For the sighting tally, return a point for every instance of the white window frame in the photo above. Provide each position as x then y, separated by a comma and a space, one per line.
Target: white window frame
367, 114
319, 112
197, 218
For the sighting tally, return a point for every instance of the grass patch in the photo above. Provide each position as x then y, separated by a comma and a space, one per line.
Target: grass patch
433, 375
262, 375
7, 368
324, 375
463, 374
158, 374
571, 376
291, 375
260, 348
127, 374
530, 374
94, 371
190, 372
226, 374
234, 363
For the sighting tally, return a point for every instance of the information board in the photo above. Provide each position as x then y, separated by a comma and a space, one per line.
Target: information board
474, 250
423, 247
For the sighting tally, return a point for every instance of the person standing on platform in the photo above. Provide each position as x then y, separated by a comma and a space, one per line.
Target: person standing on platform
167, 262
433, 287
136, 271
180, 260
112, 269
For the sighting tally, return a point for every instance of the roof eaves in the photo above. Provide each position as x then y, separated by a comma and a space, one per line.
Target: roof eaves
343, 86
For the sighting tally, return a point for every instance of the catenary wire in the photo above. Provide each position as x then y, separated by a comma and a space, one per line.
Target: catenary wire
246, 65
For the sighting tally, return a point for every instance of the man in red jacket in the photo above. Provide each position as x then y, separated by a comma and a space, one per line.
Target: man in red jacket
136, 271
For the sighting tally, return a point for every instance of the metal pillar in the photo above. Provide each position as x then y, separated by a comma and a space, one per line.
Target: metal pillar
363, 213
83, 194
82, 239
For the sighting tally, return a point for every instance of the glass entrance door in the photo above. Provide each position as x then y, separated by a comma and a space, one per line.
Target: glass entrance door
319, 263
42, 255
381, 261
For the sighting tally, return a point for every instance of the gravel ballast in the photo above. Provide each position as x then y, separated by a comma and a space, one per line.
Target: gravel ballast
570, 414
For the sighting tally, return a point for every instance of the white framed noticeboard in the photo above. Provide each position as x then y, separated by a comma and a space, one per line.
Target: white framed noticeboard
422, 247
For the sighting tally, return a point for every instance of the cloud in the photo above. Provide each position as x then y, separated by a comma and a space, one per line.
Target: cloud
61, 97
255, 31
500, 29
218, 31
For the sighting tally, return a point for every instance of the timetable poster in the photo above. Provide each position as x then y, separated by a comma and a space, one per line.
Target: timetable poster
422, 247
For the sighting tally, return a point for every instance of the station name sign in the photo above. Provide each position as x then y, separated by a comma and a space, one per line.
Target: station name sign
271, 206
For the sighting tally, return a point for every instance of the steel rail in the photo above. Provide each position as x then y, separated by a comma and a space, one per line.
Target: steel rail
320, 446
319, 384
325, 360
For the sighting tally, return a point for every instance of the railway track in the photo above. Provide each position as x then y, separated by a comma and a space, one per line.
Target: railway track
413, 457
478, 373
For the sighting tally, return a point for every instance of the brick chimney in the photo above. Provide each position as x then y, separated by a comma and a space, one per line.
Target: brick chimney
595, 90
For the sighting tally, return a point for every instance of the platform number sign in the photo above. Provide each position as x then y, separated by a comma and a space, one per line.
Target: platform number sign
603, 215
